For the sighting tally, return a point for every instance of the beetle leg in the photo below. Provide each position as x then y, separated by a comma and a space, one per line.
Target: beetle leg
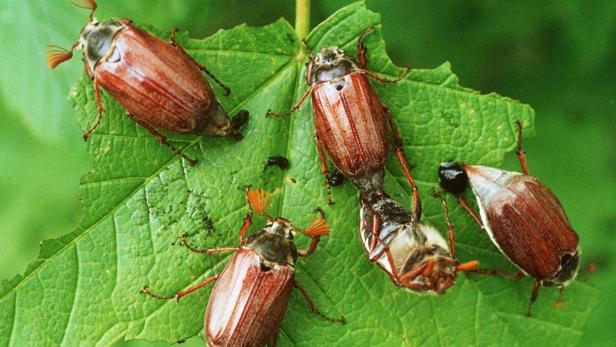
245, 225
429, 268
223, 86
324, 168
163, 139
305, 46
464, 267
361, 48
87, 4
376, 228
294, 108
390, 259
309, 66
207, 251
498, 272
533, 296
180, 293
172, 36
247, 220
470, 211
402, 159
174, 31
99, 107
520, 152
201, 67
410, 276
559, 302
311, 248
314, 308
374, 232
452, 243
385, 80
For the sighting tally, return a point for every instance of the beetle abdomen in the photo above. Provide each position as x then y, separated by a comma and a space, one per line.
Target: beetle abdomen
531, 227
248, 302
156, 82
350, 122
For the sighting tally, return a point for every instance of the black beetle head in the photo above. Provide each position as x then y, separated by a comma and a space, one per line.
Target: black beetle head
281, 227
330, 64
274, 243
329, 56
453, 177
97, 41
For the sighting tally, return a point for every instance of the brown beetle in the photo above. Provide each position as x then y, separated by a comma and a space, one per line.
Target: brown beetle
251, 295
351, 122
157, 82
412, 253
523, 219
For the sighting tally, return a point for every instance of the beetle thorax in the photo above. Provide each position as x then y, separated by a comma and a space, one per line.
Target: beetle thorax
274, 243
330, 64
96, 41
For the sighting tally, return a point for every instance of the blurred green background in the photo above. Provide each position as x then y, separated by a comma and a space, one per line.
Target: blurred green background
557, 56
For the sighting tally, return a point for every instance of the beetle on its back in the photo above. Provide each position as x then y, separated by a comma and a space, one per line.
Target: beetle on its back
157, 82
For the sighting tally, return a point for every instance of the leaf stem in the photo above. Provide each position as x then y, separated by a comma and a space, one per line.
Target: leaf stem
302, 18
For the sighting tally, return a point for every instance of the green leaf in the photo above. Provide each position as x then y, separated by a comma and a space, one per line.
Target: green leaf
139, 198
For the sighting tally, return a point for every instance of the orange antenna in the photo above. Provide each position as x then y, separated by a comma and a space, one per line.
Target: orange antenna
87, 4
258, 200
317, 228
56, 55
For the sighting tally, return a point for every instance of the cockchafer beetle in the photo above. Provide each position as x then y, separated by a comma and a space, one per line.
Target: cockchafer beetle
351, 122
157, 82
522, 217
412, 253
251, 295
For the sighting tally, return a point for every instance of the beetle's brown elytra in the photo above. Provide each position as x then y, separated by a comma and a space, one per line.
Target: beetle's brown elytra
251, 294
522, 217
352, 125
156, 81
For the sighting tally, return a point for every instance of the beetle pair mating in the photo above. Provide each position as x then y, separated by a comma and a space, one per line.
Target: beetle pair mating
522, 217
357, 130
157, 82
251, 294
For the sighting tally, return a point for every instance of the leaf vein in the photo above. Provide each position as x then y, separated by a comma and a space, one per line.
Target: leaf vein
73, 307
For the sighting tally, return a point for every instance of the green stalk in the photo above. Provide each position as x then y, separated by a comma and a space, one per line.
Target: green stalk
302, 18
